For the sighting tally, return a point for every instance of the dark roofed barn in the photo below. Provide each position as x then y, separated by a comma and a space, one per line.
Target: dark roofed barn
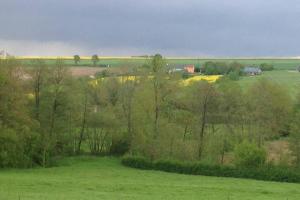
252, 71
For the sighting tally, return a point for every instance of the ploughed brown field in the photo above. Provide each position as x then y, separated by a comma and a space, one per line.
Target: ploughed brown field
85, 71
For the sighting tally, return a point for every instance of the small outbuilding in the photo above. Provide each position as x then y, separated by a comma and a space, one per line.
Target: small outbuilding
252, 71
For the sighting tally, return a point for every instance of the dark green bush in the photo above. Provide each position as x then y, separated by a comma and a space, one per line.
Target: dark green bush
16, 150
119, 147
197, 69
137, 162
268, 173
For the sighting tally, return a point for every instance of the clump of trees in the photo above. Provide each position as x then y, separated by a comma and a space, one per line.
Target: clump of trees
221, 68
45, 113
233, 70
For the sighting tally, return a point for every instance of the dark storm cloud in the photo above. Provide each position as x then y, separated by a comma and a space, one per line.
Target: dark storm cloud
173, 27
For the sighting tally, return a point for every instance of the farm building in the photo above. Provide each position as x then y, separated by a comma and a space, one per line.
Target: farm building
4, 54
181, 68
175, 68
252, 71
189, 68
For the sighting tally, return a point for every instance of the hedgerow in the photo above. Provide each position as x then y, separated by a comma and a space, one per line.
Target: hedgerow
266, 172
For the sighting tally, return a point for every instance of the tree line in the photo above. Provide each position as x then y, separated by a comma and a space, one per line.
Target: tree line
95, 59
46, 113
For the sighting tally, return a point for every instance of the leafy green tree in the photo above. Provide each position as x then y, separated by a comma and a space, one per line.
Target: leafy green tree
77, 111
231, 105
54, 112
158, 71
269, 108
95, 59
38, 74
127, 95
235, 67
17, 137
295, 138
295, 132
204, 106
76, 59
101, 126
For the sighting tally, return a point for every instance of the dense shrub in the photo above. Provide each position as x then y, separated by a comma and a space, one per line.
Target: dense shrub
234, 75
266, 67
8, 148
268, 173
119, 147
249, 155
17, 150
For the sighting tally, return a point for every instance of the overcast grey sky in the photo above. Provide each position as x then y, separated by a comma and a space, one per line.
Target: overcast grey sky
136, 27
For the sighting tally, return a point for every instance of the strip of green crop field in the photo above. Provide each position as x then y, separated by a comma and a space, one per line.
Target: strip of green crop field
279, 63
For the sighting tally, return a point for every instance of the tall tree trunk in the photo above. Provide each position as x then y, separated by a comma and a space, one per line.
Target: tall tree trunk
37, 99
156, 110
53, 111
83, 124
203, 124
185, 132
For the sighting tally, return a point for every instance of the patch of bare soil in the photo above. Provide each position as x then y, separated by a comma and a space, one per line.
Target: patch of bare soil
85, 71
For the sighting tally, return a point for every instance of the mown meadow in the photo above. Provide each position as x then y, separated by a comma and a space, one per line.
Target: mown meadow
85, 178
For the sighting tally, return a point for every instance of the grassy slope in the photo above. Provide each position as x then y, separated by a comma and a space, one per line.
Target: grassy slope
105, 178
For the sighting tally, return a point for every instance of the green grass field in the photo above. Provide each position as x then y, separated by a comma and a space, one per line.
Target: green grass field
289, 80
105, 178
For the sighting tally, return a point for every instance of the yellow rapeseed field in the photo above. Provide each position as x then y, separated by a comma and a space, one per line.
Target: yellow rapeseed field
210, 78
186, 82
